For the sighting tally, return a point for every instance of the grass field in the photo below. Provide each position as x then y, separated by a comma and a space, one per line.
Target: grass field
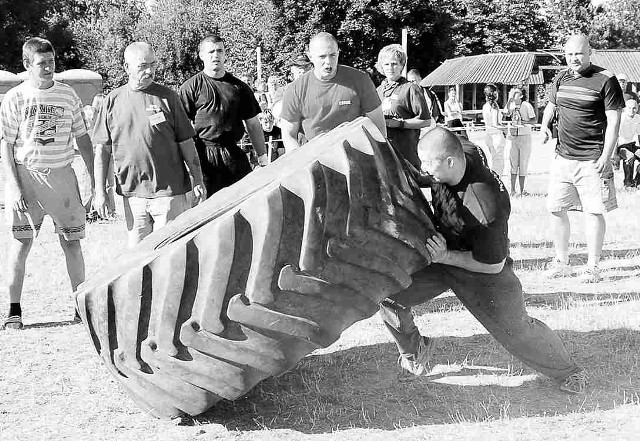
54, 387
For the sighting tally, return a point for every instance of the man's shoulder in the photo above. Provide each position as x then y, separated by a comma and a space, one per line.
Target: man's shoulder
601, 71
351, 72
192, 81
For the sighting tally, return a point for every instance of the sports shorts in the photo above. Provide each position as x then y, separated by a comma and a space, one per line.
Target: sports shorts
577, 185
52, 192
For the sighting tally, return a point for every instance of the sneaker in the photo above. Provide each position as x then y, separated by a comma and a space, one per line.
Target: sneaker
558, 268
575, 383
13, 322
591, 274
418, 364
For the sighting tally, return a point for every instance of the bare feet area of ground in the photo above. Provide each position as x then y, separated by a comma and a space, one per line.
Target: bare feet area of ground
53, 385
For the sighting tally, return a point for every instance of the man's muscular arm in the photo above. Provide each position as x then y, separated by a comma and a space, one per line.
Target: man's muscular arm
437, 247
190, 157
289, 134
256, 136
610, 138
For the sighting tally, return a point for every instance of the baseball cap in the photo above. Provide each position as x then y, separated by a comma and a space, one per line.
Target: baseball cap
621, 76
300, 61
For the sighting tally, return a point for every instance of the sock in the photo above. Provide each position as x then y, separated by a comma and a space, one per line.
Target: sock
15, 309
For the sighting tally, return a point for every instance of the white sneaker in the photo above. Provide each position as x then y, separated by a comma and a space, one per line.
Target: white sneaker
591, 274
558, 268
418, 363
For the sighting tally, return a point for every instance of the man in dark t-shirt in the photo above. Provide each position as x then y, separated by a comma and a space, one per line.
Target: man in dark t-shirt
470, 256
221, 107
327, 96
588, 100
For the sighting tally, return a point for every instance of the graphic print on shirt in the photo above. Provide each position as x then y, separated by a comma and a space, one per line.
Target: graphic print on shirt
42, 121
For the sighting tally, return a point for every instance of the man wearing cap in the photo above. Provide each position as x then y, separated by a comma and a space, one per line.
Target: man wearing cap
327, 96
589, 101
299, 66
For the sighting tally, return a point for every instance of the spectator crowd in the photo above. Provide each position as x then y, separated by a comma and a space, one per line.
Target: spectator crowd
165, 151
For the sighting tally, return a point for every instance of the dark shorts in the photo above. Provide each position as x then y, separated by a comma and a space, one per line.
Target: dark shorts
222, 165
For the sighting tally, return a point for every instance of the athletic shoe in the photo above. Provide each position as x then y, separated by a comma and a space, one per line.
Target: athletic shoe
418, 364
575, 383
558, 268
13, 322
591, 274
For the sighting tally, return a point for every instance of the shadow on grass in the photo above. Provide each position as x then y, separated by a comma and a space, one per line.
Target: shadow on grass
574, 259
361, 387
552, 300
51, 324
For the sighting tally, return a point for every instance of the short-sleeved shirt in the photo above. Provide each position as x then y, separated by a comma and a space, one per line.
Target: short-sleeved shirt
41, 124
581, 100
218, 106
473, 215
321, 106
144, 128
402, 99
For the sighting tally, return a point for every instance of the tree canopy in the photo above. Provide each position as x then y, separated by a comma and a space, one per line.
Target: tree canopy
94, 33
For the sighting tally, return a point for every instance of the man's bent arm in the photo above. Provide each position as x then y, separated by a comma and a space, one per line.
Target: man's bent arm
191, 160
377, 117
610, 135
256, 135
86, 151
465, 260
289, 134
547, 116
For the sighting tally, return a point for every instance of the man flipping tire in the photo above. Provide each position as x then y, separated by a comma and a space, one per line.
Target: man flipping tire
470, 255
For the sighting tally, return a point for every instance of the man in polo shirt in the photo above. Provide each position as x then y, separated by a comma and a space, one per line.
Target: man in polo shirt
327, 96
589, 100
146, 129
39, 120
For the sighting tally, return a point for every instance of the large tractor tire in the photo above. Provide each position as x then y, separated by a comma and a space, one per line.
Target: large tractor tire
243, 286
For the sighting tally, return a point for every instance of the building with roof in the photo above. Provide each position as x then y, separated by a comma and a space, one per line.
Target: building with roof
526, 69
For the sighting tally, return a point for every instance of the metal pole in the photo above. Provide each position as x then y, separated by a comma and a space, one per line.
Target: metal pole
259, 62
405, 38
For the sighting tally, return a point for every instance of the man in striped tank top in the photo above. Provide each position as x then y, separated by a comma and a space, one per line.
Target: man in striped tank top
39, 119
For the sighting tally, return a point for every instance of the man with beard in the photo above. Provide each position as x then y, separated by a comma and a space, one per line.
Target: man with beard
144, 126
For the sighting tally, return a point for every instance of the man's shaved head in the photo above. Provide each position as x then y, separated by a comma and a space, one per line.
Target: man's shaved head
441, 156
440, 143
577, 52
322, 37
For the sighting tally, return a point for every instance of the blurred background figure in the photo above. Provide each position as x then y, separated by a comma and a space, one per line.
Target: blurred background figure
299, 66
494, 139
433, 103
453, 112
518, 142
627, 148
